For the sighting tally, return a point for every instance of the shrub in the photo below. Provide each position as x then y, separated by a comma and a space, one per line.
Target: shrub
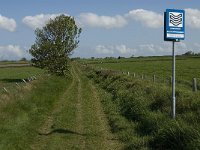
143, 113
176, 135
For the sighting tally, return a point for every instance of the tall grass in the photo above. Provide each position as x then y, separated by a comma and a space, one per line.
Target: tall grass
21, 114
187, 68
11, 75
147, 107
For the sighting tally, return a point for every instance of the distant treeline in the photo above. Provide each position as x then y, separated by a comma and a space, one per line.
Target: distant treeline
191, 53
188, 53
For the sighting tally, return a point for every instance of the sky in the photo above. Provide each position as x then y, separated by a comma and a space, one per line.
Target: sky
111, 28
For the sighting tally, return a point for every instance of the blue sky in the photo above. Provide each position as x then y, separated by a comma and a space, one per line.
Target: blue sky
110, 27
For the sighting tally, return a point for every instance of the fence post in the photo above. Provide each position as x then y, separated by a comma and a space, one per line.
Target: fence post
194, 84
154, 78
24, 81
134, 75
17, 84
5, 90
142, 76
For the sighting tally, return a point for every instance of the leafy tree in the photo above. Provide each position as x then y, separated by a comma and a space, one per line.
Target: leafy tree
23, 59
189, 53
54, 43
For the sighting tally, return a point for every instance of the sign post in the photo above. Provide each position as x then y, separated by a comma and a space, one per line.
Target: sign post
173, 81
174, 30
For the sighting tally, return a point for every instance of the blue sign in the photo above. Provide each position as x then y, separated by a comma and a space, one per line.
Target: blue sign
174, 25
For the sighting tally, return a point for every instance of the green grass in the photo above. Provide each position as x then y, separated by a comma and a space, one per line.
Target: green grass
54, 113
13, 62
187, 68
11, 75
146, 107
76, 120
18, 73
58, 113
22, 114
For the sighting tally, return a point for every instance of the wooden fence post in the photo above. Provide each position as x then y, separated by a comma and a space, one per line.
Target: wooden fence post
194, 84
154, 78
5, 90
24, 80
17, 84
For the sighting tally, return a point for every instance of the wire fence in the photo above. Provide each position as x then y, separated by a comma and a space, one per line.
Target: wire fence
193, 84
15, 85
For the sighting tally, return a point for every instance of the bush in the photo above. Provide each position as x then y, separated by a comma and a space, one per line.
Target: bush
160, 100
176, 135
143, 113
151, 123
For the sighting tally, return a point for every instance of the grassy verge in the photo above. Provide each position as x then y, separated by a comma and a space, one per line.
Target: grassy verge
77, 120
139, 112
187, 68
21, 114
12, 75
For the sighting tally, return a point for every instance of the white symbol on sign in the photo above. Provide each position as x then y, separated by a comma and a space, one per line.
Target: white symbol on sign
175, 19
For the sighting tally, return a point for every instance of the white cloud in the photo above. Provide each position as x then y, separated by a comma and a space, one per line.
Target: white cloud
93, 20
114, 49
192, 18
8, 24
160, 49
149, 49
197, 45
196, 48
123, 49
38, 21
101, 49
147, 18
11, 52
181, 47
141, 50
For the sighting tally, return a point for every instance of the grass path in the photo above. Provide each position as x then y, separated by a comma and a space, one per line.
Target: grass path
77, 120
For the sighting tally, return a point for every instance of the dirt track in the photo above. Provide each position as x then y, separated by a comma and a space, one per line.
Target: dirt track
77, 120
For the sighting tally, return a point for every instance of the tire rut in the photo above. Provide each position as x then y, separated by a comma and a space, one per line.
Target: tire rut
41, 141
89, 130
79, 117
102, 130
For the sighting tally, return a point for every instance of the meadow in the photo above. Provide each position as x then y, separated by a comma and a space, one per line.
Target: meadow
187, 68
9, 76
24, 107
52, 112
99, 107
139, 110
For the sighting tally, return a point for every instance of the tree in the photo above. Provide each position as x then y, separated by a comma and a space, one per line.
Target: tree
54, 44
189, 53
23, 59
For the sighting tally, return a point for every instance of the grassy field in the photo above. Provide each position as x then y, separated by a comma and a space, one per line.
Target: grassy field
53, 113
22, 113
139, 110
18, 73
9, 76
13, 62
97, 109
187, 68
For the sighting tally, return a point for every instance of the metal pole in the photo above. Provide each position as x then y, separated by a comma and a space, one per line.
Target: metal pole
173, 82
